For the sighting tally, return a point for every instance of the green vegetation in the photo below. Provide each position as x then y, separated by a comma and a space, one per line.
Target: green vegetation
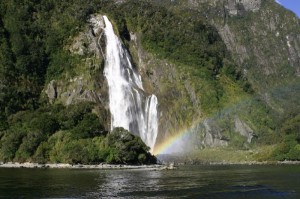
289, 146
231, 155
34, 35
185, 39
69, 135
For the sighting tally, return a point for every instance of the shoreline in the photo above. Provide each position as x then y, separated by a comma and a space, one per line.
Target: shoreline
257, 163
103, 166
166, 166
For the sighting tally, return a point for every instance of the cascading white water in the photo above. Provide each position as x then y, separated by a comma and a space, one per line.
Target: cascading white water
151, 120
128, 105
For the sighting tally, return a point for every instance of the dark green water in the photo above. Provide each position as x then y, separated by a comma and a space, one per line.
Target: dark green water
186, 182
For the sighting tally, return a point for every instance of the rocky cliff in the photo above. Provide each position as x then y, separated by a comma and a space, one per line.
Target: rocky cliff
263, 40
261, 37
226, 72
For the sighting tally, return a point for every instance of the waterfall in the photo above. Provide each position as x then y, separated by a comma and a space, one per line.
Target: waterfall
151, 120
129, 107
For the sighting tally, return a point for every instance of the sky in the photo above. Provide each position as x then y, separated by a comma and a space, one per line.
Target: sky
293, 5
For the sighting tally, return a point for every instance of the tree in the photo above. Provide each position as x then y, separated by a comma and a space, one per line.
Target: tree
127, 148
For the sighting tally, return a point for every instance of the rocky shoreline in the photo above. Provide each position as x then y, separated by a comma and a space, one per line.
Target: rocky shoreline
81, 166
167, 166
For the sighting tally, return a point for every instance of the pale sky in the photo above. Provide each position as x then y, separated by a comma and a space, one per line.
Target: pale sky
293, 5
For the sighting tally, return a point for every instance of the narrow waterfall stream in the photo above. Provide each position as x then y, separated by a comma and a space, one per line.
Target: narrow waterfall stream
129, 106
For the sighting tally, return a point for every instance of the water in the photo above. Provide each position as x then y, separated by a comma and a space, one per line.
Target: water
151, 121
129, 106
186, 182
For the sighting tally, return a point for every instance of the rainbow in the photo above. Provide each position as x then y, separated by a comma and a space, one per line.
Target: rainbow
176, 142
167, 145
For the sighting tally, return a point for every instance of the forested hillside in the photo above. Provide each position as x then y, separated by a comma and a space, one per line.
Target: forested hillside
227, 74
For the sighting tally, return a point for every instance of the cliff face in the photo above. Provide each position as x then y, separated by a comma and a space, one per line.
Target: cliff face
86, 82
264, 42
274, 37
238, 7
224, 71
262, 38
83, 85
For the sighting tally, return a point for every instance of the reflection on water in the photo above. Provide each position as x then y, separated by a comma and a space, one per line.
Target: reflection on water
186, 182
123, 183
